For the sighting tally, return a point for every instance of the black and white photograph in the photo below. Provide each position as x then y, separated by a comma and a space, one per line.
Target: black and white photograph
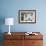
27, 16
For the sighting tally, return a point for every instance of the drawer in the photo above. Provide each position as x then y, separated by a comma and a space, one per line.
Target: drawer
37, 43
9, 43
33, 43
19, 37
33, 37
16, 37
13, 43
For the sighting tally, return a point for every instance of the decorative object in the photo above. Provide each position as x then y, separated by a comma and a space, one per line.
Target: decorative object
27, 16
9, 21
30, 33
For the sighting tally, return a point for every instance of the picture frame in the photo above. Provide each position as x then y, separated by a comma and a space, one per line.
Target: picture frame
27, 16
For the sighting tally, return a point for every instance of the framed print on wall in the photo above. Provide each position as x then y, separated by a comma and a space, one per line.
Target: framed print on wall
27, 16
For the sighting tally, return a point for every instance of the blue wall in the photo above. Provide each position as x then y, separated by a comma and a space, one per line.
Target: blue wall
9, 8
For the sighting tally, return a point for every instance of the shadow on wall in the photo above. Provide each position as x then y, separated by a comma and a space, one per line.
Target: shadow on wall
2, 21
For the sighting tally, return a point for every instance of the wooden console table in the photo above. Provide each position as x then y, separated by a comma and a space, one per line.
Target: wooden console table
20, 39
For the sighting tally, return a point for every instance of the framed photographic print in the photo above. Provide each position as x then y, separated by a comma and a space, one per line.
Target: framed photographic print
27, 16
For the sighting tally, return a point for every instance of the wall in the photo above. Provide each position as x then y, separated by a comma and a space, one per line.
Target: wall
9, 8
